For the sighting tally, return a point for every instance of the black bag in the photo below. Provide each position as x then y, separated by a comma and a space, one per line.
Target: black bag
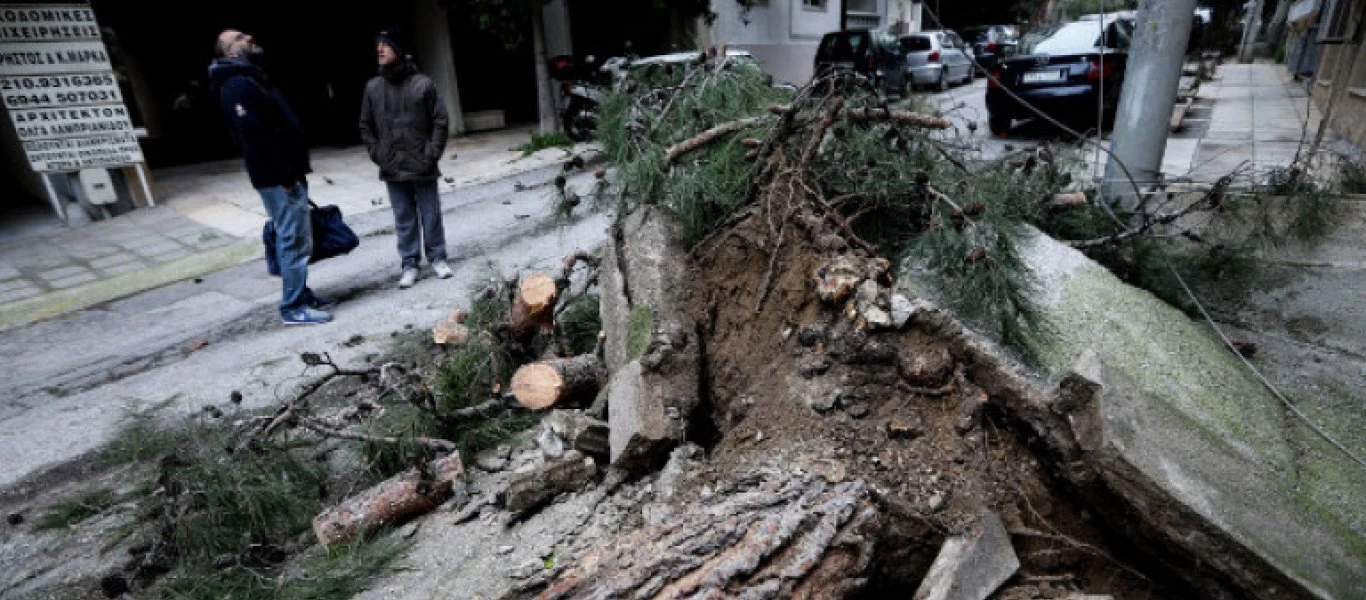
331, 236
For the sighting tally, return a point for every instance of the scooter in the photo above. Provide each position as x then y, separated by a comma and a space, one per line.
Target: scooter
582, 90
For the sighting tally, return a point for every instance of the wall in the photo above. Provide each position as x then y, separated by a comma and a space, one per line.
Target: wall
1330, 79
782, 34
432, 33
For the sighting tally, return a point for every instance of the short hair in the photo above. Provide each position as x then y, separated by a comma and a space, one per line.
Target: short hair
221, 47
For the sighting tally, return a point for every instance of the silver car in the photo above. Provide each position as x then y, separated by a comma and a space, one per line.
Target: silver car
936, 58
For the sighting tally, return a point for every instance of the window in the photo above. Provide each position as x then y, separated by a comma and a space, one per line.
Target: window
813, 4
1335, 26
916, 43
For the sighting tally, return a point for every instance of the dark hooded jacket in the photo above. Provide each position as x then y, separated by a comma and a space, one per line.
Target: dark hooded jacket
404, 125
270, 137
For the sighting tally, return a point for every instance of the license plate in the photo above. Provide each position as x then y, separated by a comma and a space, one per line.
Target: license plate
1042, 77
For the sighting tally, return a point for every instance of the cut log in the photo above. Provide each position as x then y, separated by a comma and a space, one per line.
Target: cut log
451, 330
544, 384
533, 308
400, 497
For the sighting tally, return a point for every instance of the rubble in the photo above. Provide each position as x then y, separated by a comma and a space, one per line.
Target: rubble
972, 565
580, 432
537, 485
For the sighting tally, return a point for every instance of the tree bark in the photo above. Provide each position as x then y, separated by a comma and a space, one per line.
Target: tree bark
550, 123
403, 496
541, 385
770, 535
533, 308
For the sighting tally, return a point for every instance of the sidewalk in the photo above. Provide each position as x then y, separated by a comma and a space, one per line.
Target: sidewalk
208, 218
1252, 116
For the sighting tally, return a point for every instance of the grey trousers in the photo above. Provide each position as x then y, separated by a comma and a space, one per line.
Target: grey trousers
417, 221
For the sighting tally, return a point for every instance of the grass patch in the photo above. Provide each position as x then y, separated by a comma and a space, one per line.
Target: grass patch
66, 514
580, 323
541, 141
331, 575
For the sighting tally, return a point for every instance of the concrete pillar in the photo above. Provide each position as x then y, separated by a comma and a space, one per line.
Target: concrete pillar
435, 56
558, 35
1145, 106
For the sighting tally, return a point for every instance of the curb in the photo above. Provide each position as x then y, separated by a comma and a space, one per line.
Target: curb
51, 304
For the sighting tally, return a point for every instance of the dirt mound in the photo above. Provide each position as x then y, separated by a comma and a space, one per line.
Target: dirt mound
890, 407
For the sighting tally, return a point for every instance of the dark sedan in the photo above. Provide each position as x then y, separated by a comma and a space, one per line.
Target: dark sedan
1068, 71
990, 43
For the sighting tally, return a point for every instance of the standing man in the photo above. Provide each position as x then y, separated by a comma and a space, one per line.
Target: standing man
276, 155
404, 125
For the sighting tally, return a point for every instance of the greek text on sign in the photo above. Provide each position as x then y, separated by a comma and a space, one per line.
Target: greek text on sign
47, 24
24, 58
45, 123
59, 90
81, 153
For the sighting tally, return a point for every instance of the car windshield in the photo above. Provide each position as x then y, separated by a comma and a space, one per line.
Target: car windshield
1077, 36
916, 43
843, 46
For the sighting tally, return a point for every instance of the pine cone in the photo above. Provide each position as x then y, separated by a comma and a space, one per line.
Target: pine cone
976, 255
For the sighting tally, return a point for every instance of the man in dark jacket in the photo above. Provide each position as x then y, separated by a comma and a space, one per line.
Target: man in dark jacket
403, 122
276, 155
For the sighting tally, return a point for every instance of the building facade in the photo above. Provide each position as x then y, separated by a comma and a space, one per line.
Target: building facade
1331, 31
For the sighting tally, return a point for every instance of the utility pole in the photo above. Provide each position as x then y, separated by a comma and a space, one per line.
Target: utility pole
1156, 55
1251, 23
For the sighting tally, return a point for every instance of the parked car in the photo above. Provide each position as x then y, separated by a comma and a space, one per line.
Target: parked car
873, 54
936, 58
1066, 70
990, 43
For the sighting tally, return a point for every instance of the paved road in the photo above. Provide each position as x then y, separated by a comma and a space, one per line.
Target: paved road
68, 379
967, 103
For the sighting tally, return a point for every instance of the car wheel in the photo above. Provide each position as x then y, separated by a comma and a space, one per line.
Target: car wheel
999, 125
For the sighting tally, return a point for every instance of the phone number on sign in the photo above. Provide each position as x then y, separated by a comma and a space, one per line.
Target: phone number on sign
26, 100
13, 84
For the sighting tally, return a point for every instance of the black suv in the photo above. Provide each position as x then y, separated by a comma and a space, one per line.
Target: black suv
873, 54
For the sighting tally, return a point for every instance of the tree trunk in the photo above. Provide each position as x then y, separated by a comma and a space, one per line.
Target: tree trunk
770, 535
1275, 31
544, 384
533, 310
403, 496
545, 102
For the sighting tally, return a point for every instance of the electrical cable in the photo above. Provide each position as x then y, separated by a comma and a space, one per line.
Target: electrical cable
1190, 294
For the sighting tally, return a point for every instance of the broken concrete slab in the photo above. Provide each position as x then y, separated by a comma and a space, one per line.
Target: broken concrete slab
972, 565
531, 488
1170, 437
580, 432
651, 343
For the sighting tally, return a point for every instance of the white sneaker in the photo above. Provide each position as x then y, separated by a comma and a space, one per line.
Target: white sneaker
408, 279
442, 269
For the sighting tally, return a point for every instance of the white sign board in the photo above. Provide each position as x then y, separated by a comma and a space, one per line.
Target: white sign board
59, 88
74, 154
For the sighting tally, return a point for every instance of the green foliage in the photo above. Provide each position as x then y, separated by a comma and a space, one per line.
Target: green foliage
233, 502
1351, 176
335, 574
541, 141
141, 437
580, 323
643, 117
65, 514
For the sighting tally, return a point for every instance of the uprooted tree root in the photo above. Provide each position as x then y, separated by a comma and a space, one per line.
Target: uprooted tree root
844, 450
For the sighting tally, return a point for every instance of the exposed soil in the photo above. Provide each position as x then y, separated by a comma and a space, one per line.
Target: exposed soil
893, 408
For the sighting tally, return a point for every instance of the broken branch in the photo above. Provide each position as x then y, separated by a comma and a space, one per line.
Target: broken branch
711, 135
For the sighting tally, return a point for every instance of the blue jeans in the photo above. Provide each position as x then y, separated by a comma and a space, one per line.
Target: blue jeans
293, 241
417, 221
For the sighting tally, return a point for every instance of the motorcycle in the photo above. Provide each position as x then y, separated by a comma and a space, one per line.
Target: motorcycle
582, 89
